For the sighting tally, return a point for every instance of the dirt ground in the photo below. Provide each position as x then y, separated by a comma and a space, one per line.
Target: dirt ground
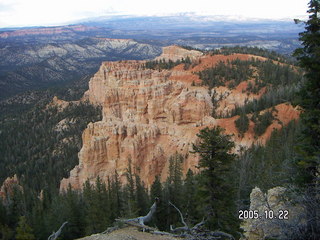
128, 233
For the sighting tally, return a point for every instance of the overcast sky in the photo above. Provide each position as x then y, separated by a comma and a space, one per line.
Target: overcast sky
55, 12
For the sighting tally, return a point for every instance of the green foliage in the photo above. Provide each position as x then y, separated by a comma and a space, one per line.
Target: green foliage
192, 48
35, 147
142, 198
97, 207
274, 96
267, 166
6, 233
309, 59
24, 231
163, 64
242, 123
308, 160
215, 162
238, 70
172, 191
262, 122
193, 202
254, 51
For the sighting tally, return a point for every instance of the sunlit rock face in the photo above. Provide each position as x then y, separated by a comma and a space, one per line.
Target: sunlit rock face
8, 188
149, 115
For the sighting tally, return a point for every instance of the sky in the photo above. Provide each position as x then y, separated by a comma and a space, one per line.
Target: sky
18, 13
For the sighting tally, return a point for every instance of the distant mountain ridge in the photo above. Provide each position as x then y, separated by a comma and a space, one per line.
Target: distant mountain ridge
45, 31
38, 57
28, 66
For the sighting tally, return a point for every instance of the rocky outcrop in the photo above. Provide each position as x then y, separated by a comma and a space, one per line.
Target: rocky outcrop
175, 53
146, 117
149, 115
283, 220
7, 188
129, 233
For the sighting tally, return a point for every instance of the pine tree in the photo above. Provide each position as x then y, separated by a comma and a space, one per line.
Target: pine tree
215, 164
309, 161
129, 192
242, 123
192, 201
156, 188
309, 59
24, 231
73, 212
142, 198
157, 191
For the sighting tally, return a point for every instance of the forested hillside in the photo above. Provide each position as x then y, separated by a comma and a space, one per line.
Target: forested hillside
41, 145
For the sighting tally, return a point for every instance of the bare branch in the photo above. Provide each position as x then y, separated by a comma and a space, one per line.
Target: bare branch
55, 235
185, 228
143, 219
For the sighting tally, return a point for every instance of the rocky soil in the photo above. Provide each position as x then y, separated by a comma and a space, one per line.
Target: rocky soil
129, 233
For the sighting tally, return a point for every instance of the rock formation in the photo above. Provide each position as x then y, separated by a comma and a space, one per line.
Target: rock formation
149, 115
7, 188
175, 53
281, 226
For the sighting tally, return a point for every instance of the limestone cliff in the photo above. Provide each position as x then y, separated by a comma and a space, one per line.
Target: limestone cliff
149, 115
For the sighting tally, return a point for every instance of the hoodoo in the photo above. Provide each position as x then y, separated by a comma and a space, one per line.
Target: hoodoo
151, 114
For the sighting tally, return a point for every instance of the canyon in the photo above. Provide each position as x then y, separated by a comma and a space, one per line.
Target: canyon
150, 115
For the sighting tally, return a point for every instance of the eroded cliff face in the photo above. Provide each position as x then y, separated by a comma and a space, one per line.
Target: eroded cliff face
149, 115
146, 117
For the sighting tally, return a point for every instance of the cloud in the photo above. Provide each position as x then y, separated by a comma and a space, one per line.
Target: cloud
50, 12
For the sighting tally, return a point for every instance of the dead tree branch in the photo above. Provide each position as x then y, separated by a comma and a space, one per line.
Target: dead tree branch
140, 221
185, 228
55, 235
196, 231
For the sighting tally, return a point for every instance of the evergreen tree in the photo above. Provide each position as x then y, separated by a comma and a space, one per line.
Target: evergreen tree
6, 233
156, 188
97, 206
115, 196
215, 164
309, 59
242, 123
142, 197
73, 211
129, 192
175, 179
192, 202
24, 231
309, 161
157, 191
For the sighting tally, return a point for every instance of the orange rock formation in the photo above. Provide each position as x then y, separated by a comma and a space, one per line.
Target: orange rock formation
7, 187
149, 115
